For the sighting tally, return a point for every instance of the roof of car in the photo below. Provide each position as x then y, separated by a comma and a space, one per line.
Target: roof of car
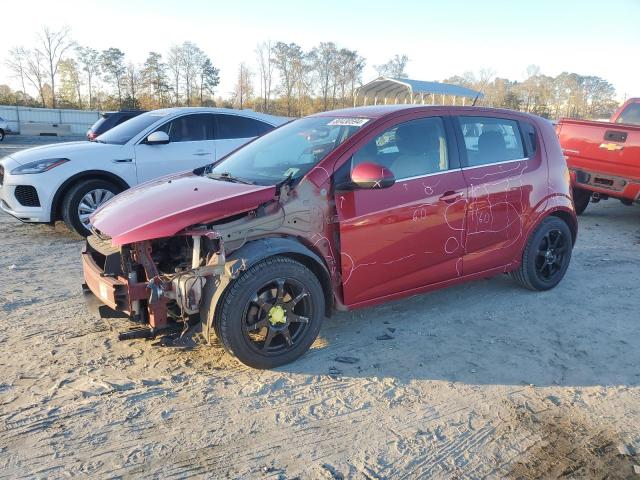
378, 111
272, 119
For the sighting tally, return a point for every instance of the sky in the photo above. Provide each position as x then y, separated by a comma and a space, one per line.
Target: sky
441, 38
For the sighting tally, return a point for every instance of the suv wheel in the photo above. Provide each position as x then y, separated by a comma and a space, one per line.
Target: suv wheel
271, 314
546, 256
581, 200
1, 135
82, 200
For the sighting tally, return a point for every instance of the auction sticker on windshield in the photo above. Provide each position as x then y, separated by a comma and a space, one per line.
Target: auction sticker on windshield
347, 122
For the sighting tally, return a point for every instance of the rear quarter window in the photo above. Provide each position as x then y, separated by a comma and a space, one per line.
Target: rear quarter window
531, 138
491, 140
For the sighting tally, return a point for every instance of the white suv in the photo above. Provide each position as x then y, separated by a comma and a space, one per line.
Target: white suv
70, 180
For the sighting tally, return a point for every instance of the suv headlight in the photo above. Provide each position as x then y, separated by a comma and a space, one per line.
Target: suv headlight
38, 166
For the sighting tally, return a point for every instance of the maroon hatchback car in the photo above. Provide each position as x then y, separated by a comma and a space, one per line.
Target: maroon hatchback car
338, 210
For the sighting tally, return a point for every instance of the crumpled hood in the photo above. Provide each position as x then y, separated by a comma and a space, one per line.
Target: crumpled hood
163, 207
70, 150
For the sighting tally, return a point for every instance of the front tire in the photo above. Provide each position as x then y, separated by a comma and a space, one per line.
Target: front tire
581, 200
546, 256
1, 135
271, 314
82, 200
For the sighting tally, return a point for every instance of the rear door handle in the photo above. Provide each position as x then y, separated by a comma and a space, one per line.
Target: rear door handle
451, 196
201, 154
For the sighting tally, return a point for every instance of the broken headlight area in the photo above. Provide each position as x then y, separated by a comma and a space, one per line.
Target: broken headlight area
159, 283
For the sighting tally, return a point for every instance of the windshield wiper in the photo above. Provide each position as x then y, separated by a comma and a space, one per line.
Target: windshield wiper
227, 177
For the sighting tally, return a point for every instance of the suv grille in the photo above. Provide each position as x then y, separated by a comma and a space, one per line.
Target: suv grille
27, 196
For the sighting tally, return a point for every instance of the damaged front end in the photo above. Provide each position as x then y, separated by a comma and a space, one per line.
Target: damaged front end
161, 282
158, 283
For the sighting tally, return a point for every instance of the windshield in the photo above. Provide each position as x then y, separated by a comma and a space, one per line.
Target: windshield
289, 151
124, 132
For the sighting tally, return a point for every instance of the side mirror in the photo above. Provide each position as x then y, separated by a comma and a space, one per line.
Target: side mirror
157, 138
369, 175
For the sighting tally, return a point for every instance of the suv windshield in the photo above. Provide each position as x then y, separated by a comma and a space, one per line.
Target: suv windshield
289, 151
124, 132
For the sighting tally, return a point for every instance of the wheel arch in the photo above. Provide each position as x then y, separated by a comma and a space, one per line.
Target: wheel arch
262, 248
56, 204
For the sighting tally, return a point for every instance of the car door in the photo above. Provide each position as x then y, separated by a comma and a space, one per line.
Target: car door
233, 131
191, 145
500, 166
411, 234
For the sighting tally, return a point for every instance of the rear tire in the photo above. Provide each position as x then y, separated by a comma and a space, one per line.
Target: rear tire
581, 200
82, 200
271, 314
546, 256
1, 135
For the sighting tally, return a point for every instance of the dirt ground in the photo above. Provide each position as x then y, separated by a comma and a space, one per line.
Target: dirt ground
484, 380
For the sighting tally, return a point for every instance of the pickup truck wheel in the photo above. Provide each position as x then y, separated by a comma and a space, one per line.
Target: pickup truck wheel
546, 256
271, 314
82, 200
581, 199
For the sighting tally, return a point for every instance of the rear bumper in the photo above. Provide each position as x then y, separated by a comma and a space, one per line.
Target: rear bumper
611, 185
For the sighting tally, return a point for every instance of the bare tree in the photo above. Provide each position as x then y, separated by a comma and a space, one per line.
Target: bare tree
264, 53
287, 59
90, 61
35, 71
17, 63
191, 58
394, 67
115, 69
174, 64
323, 59
70, 83
53, 45
243, 89
132, 82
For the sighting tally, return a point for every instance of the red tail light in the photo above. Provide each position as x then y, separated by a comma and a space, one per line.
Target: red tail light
91, 136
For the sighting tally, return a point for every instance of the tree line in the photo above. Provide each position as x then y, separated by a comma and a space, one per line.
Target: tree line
284, 79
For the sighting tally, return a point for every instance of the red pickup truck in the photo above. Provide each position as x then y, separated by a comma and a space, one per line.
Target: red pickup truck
603, 157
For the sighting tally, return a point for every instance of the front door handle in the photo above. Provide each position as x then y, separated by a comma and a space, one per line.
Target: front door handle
122, 160
451, 196
201, 154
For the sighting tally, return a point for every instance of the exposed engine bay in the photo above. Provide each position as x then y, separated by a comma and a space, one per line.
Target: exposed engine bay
161, 282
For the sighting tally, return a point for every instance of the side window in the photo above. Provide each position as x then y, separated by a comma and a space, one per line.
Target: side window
189, 128
410, 149
490, 140
531, 137
235, 126
630, 115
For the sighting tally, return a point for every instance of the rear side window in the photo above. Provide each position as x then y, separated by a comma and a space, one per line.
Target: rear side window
235, 126
630, 115
491, 140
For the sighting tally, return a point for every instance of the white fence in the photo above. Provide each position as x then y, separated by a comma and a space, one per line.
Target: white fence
79, 120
